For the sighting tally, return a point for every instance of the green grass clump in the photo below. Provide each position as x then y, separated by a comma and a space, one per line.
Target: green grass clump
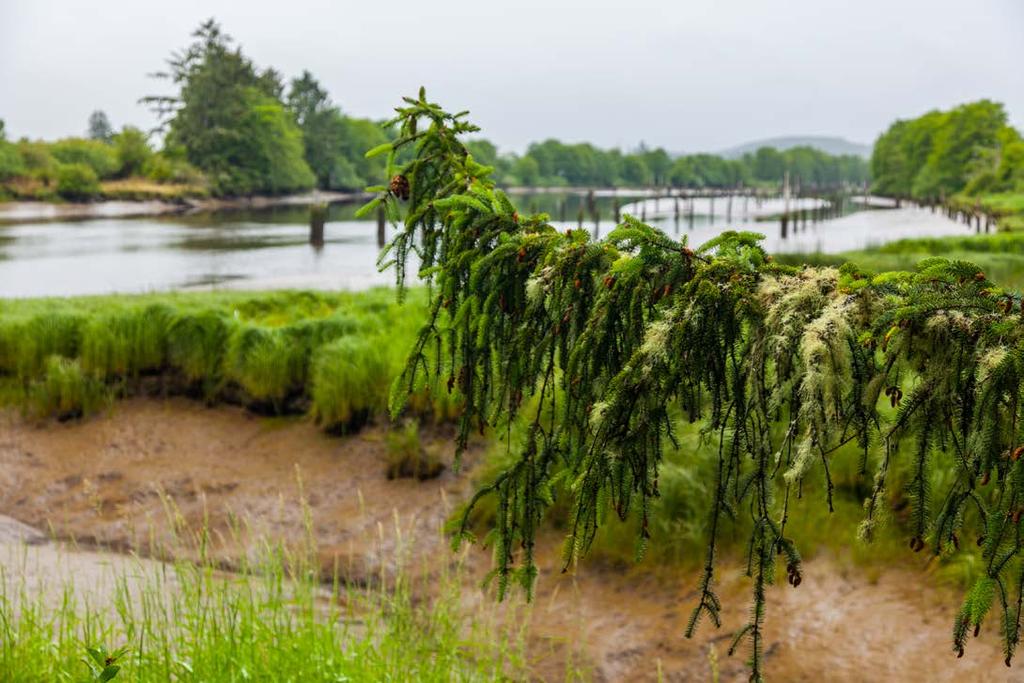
33, 340
196, 345
257, 349
126, 343
65, 391
350, 379
265, 362
407, 457
273, 622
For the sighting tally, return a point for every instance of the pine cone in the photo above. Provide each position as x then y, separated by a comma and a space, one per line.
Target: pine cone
400, 187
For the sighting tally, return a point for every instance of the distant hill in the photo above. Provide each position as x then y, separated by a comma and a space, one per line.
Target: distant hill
828, 144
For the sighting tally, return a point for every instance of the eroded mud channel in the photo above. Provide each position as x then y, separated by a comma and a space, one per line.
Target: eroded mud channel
145, 477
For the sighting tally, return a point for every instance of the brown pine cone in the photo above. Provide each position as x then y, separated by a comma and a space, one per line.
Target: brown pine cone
400, 187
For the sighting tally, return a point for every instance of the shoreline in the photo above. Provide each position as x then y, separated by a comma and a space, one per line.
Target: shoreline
40, 212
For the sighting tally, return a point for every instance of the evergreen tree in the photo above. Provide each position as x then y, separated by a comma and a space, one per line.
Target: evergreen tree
99, 127
596, 345
229, 118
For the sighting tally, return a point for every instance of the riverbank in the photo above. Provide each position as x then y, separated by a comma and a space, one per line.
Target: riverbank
152, 473
32, 212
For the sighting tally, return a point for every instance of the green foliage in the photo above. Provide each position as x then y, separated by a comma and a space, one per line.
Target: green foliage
229, 119
169, 167
598, 345
554, 163
98, 156
350, 379
334, 143
132, 148
77, 181
941, 153
281, 352
273, 620
11, 163
38, 160
64, 391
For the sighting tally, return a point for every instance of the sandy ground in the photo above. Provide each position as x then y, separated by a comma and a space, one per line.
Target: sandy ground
145, 476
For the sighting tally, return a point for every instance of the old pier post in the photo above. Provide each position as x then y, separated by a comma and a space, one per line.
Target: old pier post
317, 218
382, 220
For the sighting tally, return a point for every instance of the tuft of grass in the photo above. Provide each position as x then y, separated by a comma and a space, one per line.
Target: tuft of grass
273, 621
196, 345
350, 379
126, 342
265, 363
65, 391
406, 456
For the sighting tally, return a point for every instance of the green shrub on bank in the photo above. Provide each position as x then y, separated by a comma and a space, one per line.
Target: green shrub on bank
99, 156
11, 163
77, 181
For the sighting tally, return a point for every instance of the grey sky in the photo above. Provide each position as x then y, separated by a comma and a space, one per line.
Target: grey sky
684, 74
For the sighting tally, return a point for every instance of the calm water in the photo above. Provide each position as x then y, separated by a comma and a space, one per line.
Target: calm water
270, 249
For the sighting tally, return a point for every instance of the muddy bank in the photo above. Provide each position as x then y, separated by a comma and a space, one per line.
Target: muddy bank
126, 480
32, 212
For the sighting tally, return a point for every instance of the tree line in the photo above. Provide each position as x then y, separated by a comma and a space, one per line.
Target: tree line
969, 149
553, 163
229, 127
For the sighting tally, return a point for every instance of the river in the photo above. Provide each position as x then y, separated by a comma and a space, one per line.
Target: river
269, 248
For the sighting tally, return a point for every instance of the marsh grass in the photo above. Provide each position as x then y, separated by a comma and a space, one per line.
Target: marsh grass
406, 455
1000, 255
66, 392
334, 355
271, 621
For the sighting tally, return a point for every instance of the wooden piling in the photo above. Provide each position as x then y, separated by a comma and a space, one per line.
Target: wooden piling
317, 218
381, 225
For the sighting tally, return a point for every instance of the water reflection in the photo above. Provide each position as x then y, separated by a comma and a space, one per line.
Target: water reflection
270, 247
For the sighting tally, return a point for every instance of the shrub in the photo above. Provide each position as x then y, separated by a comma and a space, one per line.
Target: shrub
163, 168
132, 150
77, 181
99, 156
11, 163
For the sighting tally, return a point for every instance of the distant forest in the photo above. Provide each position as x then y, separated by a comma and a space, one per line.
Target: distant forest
231, 128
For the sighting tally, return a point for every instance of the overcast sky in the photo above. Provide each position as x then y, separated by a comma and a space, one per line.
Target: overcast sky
687, 75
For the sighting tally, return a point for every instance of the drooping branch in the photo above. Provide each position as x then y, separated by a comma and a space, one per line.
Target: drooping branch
609, 341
